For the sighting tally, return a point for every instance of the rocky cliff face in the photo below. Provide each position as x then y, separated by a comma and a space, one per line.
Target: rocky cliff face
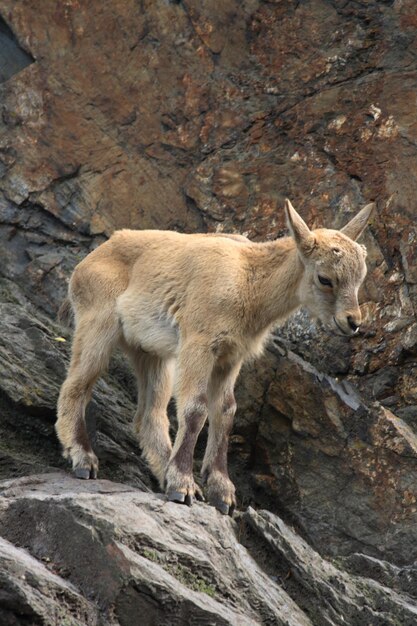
205, 116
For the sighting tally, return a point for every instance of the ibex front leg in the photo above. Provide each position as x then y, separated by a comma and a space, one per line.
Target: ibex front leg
222, 408
195, 364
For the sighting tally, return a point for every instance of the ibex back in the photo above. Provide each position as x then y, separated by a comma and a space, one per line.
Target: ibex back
189, 310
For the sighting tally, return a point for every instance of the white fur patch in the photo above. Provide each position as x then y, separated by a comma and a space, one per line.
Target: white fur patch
148, 327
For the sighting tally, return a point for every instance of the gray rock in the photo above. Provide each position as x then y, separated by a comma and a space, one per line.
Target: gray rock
327, 593
34, 354
134, 555
30, 593
13, 58
261, 100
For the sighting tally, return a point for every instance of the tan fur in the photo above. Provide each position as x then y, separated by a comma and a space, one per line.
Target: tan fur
188, 310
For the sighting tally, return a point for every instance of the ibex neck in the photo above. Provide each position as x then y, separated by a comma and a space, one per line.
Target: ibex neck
277, 272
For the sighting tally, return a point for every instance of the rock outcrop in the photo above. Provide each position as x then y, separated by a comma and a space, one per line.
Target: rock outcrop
96, 552
205, 116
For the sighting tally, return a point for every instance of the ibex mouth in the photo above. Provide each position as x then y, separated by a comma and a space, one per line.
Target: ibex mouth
344, 333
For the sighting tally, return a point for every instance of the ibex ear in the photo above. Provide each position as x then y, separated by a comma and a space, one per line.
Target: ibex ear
357, 225
303, 236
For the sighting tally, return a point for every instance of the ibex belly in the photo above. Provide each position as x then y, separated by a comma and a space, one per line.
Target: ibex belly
147, 326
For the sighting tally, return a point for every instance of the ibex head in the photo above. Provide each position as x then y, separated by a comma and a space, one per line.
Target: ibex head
334, 269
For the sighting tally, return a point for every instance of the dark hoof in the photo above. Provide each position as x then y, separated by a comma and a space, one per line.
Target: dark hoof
82, 472
222, 507
176, 496
189, 500
199, 495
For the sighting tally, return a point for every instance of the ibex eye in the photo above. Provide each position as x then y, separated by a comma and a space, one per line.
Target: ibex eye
325, 281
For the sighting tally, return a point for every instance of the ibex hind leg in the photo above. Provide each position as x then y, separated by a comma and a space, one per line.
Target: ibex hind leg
94, 339
155, 386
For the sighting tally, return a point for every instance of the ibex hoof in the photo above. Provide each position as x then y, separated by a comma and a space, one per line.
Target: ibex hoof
84, 462
223, 507
221, 492
177, 496
82, 472
189, 500
198, 494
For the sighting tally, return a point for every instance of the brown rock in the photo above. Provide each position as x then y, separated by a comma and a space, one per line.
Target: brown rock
205, 116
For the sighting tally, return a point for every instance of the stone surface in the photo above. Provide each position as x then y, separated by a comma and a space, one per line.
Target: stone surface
130, 556
342, 469
33, 359
205, 116
12, 58
133, 555
31, 593
327, 593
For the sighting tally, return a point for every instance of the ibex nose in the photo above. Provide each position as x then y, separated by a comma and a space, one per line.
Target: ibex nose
353, 323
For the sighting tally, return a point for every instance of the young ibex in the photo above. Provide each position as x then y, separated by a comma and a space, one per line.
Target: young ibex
189, 310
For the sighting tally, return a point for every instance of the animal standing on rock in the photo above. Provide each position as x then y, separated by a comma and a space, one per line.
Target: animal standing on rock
189, 310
